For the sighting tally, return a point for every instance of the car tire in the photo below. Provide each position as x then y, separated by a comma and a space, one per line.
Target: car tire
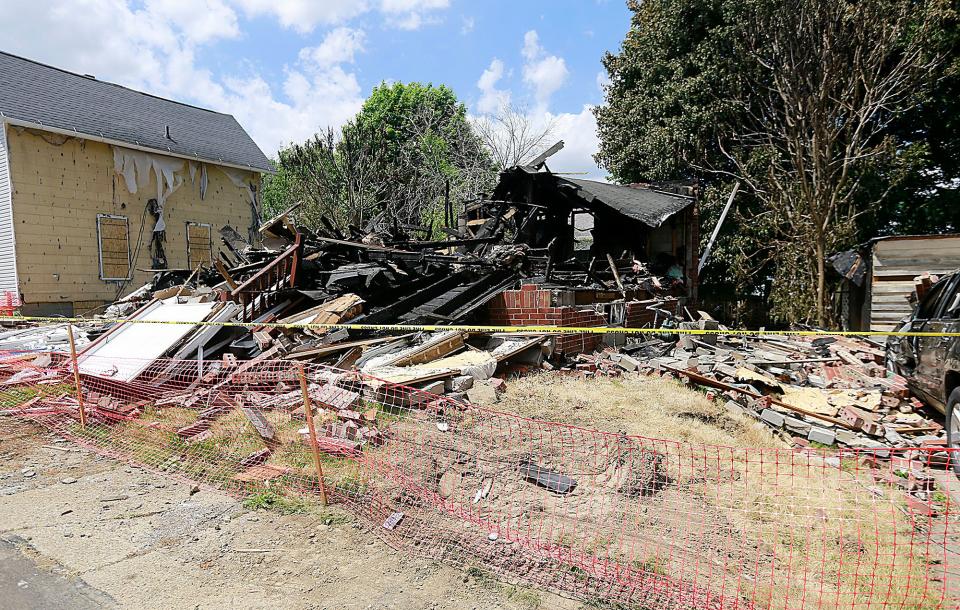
953, 429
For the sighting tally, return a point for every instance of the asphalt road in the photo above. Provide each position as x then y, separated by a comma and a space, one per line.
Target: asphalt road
26, 586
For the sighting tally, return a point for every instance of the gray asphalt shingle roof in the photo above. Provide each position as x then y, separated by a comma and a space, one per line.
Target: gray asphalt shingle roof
650, 207
37, 93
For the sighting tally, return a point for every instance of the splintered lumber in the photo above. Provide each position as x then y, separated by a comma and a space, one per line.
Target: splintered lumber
333, 311
616, 272
222, 270
434, 349
326, 350
707, 381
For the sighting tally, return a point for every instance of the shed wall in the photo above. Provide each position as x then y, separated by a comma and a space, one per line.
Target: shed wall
894, 264
60, 185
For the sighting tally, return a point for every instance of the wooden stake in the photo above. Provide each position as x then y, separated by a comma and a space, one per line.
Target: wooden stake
308, 411
76, 376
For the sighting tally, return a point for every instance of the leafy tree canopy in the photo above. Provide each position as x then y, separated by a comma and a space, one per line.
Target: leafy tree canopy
839, 118
408, 149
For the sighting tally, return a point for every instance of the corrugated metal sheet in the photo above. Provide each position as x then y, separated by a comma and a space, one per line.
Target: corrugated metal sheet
895, 262
8, 253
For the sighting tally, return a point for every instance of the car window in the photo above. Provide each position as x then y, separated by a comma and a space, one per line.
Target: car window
933, 301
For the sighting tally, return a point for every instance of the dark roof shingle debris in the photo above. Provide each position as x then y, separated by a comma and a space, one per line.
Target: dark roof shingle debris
650, 206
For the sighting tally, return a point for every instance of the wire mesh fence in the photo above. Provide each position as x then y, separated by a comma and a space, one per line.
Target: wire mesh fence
609, 518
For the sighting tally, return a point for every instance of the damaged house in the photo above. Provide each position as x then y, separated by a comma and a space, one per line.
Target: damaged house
588, 225
100, 185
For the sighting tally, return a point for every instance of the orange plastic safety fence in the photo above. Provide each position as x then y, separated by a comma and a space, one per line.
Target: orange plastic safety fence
619, 519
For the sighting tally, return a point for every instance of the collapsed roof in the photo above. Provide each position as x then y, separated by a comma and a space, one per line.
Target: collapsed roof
647, 205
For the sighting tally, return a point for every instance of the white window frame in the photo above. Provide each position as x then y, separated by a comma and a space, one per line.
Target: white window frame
126, 221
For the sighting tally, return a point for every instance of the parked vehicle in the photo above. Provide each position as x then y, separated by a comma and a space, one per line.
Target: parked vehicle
931, 364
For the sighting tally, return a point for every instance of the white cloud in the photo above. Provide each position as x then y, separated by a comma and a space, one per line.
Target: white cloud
304, 15
154, 49
411, 14
339, 46
411, 6
200, 21
543, 73
579, 134
491, 98
603, 81
467, 24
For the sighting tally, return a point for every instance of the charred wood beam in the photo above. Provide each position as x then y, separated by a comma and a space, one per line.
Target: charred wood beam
450, 243
467, 309
418, 298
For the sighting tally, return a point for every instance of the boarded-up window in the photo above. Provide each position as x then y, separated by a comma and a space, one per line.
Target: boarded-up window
113, 234
199, 245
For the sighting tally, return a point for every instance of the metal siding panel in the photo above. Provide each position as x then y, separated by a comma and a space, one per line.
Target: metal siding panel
8, 252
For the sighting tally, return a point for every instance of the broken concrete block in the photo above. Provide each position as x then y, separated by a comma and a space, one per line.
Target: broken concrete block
734, 407
822, 436
773, 418
460, 383
846, 437
259, 423
628, 363
433, 387
796, 426
482, 393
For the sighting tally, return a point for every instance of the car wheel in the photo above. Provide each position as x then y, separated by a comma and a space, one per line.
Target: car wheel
953, 429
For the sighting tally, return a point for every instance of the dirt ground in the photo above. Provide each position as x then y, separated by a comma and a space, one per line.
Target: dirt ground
79, 531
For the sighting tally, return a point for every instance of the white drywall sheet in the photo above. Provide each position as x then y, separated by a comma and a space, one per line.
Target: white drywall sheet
127, 351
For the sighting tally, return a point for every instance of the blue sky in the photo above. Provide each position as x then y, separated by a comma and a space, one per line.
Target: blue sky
286, 68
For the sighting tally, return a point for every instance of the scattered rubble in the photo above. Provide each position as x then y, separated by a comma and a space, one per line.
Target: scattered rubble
815, 392
512, 259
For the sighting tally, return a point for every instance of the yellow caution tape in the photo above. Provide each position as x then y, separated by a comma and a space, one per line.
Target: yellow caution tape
468, 328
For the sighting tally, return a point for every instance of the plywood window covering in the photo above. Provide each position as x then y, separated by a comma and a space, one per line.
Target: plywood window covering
113, 236
199, 244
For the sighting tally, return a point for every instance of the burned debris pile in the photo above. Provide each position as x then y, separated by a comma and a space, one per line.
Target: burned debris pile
823, 391
517, 258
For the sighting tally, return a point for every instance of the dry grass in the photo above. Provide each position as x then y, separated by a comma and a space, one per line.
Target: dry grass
652, 407
783, 528
740, 511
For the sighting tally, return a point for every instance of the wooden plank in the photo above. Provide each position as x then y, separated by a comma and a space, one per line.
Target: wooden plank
431, 350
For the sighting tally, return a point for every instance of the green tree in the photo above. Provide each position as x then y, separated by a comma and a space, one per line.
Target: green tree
807, 102
430, 147
406, 147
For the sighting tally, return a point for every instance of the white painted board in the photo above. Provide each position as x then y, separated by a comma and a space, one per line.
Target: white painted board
126, 352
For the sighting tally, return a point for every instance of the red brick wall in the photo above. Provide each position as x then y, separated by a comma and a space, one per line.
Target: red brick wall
531, 306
